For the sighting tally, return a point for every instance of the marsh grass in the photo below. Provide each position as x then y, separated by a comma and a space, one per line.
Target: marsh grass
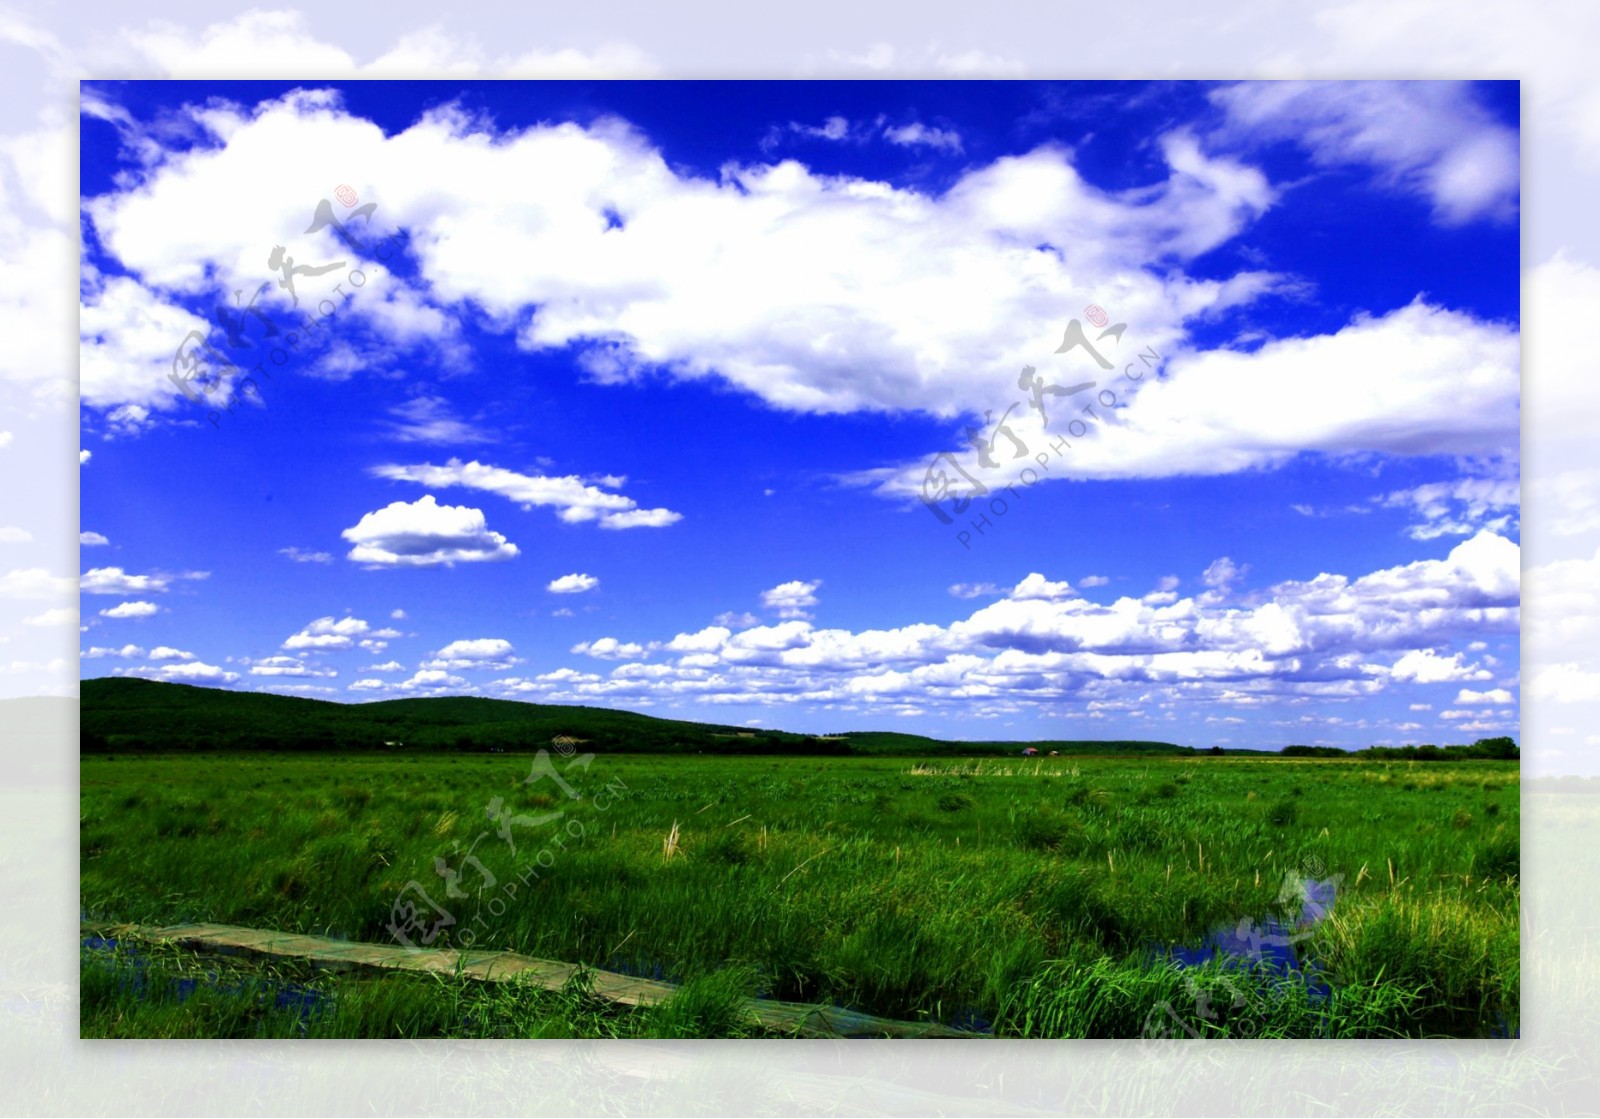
904, 889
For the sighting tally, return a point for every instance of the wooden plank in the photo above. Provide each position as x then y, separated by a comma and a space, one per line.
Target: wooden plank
783, 1017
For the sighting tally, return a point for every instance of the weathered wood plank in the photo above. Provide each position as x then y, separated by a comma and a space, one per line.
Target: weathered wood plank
782, 1017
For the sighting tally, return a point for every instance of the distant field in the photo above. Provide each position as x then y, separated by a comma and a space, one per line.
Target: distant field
1021, 896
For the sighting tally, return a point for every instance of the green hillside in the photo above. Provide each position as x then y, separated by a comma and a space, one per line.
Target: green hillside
122, 714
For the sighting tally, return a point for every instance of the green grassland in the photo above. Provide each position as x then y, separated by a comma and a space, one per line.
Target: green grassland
1025, 895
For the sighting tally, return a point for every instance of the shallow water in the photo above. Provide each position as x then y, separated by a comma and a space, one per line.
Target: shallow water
285, 995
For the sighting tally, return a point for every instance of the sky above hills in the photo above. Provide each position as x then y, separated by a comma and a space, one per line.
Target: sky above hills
1174, 410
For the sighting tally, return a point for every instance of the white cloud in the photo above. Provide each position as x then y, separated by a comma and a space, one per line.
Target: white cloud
1428, 138
609, 648
1093, 581
168, 653
423, 533
430, 419
779, 281
287, 666
131, 610
1460, 507
434, 681
327, 633
127, 652
975, 590
83, 456
128, 341
1223, 573
1417, 381
62, 616
917, 134
1493, 695
577, 500
114, 580
1424, 666
736, 619
300, 555
91, 539
386, 666
1329, 638
397, 613
479, 652
10, 535
193, 672
572, 584
791, 599
1037, 586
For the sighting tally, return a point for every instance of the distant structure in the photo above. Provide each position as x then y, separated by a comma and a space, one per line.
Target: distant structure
1029, 751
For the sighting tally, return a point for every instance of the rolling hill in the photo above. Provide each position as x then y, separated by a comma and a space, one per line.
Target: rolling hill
125, 714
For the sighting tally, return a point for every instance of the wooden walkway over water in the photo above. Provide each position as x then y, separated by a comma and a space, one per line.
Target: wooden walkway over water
779, 1017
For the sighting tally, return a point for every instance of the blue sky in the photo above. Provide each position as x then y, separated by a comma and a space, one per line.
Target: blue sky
638, 408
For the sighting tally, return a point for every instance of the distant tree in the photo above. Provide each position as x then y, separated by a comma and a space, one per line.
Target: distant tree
1502, 747
1216, 750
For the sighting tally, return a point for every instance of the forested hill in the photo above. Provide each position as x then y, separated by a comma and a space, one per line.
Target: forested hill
121, 714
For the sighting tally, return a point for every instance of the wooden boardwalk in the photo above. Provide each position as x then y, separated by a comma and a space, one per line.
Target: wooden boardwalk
802, 1019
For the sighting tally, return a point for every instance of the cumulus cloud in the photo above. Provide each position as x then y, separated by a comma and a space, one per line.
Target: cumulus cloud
775, 279
478, 652
1037, 586
791, 599
576, 500
131, 610
423, 533
1417, 381
1460, 507
1330, 637
572, 584
327, 633
1432, 139
91, 540
114, 580
127, 652
193, 672
287, 666
1493, 695
609, 648
168, 653
434, 681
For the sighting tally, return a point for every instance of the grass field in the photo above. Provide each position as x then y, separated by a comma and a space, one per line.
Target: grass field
1027, 897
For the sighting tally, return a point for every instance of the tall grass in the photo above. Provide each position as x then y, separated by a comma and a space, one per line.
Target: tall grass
905, 889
